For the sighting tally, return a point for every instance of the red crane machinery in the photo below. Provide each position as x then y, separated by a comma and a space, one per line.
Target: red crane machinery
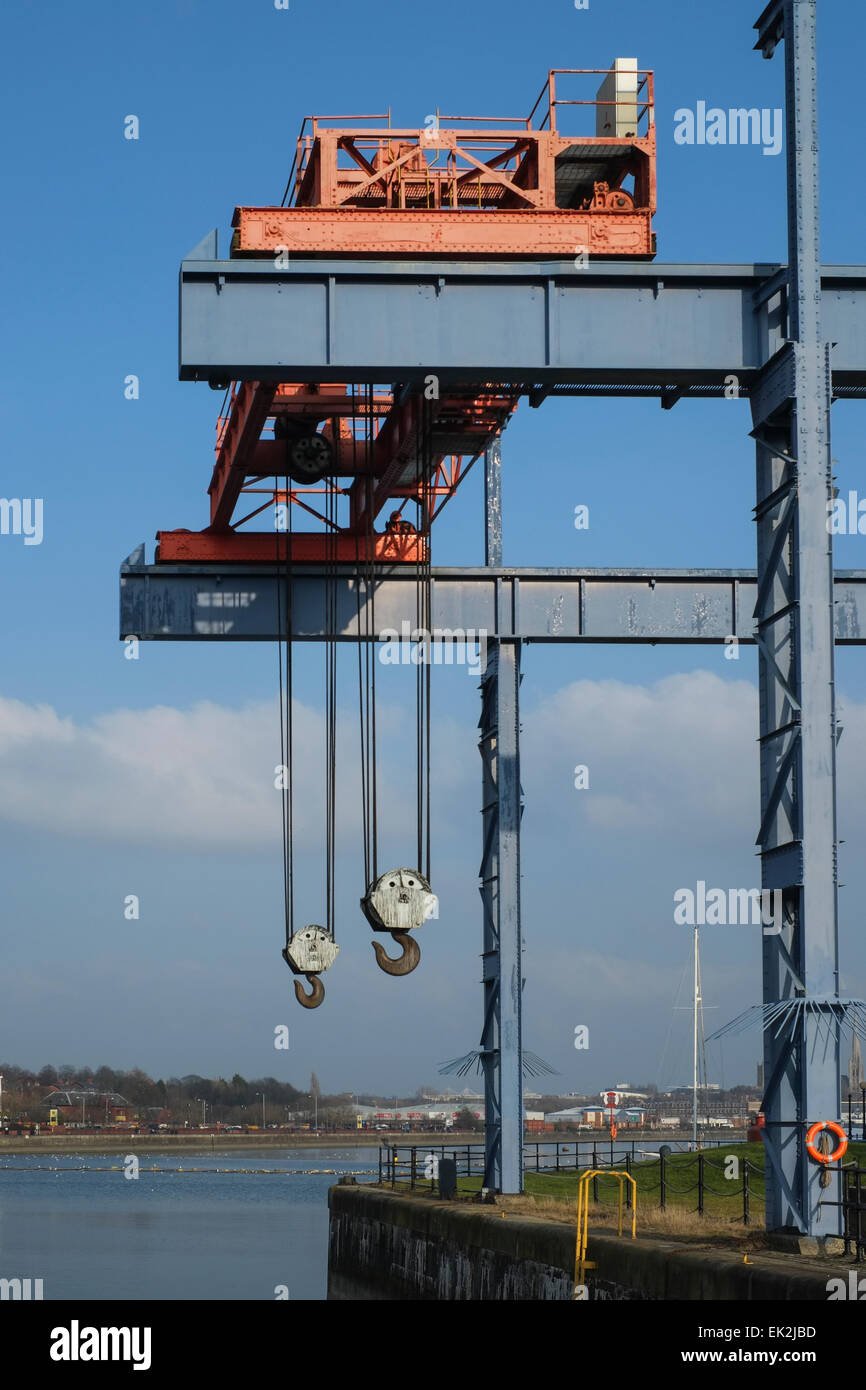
389, 192
459, 187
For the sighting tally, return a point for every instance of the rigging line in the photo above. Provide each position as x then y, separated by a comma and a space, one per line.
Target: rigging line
362, 644
703, 1036
332, 758
366, 637
373, 656
334, 660
330, 707
425, 650
290, 717
420, 653
325, 723
286, 725
426, 621
282, 720
428, 675
664, 1055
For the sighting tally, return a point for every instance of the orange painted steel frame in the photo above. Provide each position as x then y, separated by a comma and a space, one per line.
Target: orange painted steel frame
268, 548
464, 186
513, 190
461, 427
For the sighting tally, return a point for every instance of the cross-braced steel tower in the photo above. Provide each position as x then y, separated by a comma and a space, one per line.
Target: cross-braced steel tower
794, 616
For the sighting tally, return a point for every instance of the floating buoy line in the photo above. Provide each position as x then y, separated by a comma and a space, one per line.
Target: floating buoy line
153, 1168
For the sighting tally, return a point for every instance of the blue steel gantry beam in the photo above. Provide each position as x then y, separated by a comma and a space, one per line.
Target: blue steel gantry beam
205, 603
545, 324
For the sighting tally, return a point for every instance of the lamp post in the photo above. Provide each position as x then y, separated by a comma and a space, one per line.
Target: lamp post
262, 1094
203, 1109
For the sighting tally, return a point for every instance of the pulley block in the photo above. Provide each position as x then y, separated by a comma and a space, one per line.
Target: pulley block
309, 456
310, 951
399, 902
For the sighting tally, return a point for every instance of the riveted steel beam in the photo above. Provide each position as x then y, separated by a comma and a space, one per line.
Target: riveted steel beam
664, 606
614, 325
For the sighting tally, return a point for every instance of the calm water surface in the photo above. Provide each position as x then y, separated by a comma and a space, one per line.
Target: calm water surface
171, 1235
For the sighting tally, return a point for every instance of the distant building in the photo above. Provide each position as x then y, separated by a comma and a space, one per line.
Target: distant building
855, 1068
418, 1115
75, 1102
536, 1122
727, 1105
594, 1116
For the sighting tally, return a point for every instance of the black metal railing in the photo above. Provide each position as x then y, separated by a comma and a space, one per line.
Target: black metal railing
710, 1182
562, 1157
854, 1212
713, 1184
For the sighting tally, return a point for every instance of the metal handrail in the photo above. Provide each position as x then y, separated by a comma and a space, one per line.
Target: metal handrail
646, 76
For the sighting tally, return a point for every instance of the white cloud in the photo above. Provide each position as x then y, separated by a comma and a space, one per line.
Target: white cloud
201, 777
676, 761
667, 756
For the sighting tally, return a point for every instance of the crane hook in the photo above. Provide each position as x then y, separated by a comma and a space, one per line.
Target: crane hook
313, 1000
405, 963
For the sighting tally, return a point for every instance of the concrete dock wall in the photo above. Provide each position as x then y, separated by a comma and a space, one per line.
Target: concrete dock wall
384, 1245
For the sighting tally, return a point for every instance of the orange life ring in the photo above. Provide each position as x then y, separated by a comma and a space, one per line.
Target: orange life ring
840, 1134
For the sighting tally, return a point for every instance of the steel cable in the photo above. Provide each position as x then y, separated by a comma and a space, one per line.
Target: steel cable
286, 720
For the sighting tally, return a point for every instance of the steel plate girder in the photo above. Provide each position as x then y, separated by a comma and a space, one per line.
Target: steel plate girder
206, 602
347, 231
544, 322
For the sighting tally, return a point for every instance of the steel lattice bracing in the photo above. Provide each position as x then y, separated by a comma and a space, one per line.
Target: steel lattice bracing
497, 187
388, 445
457, 186
501, 1050
795, 625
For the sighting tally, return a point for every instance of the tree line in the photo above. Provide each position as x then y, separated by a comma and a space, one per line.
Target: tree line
187, 1098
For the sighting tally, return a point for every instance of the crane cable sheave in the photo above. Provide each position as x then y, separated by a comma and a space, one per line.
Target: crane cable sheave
399, 902
310, 951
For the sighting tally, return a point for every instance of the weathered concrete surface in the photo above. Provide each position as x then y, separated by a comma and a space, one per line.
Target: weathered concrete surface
386, 1245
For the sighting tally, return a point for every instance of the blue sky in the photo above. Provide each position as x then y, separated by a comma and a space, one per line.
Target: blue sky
152, 777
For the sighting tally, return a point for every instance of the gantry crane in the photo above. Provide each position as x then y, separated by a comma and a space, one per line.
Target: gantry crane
385, 274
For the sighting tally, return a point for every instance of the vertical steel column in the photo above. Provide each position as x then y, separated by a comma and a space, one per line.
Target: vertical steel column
501, 1049
795, 628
